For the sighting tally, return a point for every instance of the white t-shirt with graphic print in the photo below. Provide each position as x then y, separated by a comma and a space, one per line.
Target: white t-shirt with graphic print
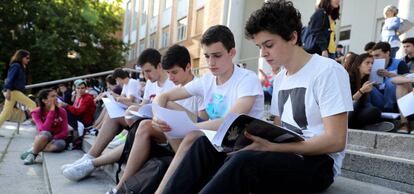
218, 99
132, 88
319, 89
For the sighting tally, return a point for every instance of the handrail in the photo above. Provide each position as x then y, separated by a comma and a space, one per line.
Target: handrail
77, 77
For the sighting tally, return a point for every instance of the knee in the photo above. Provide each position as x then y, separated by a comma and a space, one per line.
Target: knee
43, 137
190, 138
144, 128
240, 158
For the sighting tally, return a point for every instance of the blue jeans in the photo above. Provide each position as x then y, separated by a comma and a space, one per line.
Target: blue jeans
384, 99
394, 51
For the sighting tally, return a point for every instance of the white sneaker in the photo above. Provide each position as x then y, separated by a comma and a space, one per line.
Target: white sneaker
80, 160
79, 171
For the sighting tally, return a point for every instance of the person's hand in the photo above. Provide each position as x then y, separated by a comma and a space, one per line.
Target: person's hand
7, 95
160, 125
367, 86
53, 104
325, 53
258, 144
385, 73
62, 104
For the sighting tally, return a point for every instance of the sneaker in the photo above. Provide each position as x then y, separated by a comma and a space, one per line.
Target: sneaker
79, 171
118, 140
84, 157
381, 126
112, 191
30, 159
25, 154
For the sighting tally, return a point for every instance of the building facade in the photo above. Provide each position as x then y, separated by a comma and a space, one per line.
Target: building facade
160, 23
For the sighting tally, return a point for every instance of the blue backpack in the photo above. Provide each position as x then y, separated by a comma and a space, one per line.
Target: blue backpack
308, 38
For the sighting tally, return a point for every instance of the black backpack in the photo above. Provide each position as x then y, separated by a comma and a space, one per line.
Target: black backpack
148, 178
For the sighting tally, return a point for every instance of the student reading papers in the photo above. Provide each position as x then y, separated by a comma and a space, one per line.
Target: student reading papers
312, 97
226, 89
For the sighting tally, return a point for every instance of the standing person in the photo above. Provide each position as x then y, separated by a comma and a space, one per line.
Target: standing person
15, 84
52, 126
390, 27
323, 26
313, 98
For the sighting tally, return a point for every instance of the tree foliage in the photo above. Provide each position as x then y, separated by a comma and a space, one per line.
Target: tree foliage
50, 29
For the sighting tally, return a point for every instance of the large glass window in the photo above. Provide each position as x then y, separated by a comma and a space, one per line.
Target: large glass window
182, 29
165, 37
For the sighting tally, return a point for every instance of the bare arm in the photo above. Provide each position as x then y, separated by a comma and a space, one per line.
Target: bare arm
402, 80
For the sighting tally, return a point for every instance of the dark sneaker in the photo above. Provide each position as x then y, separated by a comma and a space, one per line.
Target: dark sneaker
381, 126
25, 154
30, 159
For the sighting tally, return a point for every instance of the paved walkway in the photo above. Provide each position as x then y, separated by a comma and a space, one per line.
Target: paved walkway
14, 176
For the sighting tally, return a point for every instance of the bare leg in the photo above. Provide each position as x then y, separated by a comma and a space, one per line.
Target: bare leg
140, 149
40, 143
51, 148
109, 158
106, 134
100, 119
179, 155
403, 89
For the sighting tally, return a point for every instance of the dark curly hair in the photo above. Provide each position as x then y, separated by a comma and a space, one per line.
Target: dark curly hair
219, 33
176, 55
277, 17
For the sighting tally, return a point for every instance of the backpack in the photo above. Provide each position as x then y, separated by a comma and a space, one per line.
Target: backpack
309, 38
147, 180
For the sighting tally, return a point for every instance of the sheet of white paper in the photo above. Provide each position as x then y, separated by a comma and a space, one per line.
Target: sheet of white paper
405, 104
390, 115
110, 97
144, 112
114, 110
59, 100
179, 121
209, 134
378, 64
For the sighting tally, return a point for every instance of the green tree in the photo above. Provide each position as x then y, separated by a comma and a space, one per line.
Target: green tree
52, 29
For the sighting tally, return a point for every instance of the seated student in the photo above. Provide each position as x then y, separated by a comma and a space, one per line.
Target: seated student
176, 63
82, 109
226, 89
348, 60
365, 114
131, 89
312, 99
111, 127
368, 47
52, 126
408, 45
157, 82
404, 86
384, 96
65, 93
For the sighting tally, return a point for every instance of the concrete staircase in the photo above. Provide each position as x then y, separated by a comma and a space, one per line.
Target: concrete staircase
380, 158
380, 163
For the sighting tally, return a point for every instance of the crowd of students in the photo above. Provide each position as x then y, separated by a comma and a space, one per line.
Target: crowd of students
311, 94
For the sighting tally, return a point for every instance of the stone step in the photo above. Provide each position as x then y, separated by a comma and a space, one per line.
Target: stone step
342, 185
56, 183
383, 143
389, 171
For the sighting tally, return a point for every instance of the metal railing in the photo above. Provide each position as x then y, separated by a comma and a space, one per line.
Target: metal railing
77, 77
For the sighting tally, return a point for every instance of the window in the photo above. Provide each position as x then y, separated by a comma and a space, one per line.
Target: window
182, 29
344, 38
155, 7
199, 21
153, 41
165, 37
167, 4
135, 15
144, 12
127, 18
141, 45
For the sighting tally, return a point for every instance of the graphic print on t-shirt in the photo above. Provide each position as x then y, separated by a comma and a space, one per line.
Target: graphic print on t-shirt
291, 104
216, 106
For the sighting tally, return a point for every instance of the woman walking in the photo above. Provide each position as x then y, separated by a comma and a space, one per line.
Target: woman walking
15, 84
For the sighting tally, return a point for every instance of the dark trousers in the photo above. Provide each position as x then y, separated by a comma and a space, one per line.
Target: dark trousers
204, 170
363, 115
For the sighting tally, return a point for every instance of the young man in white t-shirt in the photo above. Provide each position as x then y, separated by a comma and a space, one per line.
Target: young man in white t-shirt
313, 98
150, 60
226, 89
131, 89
